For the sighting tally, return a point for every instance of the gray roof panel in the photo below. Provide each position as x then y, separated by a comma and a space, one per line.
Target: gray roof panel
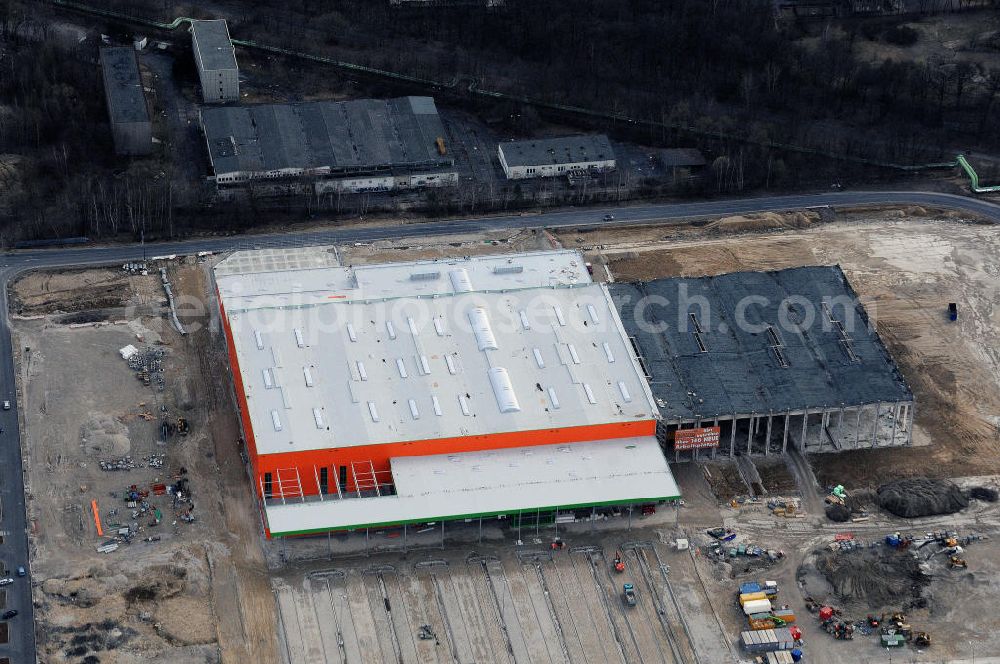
213, 43
353, 136
740, 370
123, 85
561, 150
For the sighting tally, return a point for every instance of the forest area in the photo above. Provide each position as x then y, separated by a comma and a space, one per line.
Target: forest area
778, 105
724, 66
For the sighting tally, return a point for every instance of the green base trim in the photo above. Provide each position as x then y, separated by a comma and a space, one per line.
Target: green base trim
459, 517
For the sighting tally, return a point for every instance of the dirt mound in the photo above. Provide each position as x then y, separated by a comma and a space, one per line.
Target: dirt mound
161, 582
917, 497
876, 578
105, 436
838, 513
761, 222
983, 493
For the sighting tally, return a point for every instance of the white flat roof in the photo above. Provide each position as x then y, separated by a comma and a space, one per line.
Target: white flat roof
487, 483
313, 275
346, 372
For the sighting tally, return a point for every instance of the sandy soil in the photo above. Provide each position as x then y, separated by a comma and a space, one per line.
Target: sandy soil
907, 270
200, 592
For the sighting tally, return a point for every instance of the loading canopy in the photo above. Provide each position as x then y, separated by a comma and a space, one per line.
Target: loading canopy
493, 482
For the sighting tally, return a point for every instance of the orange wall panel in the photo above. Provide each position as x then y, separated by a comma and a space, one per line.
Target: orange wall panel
309, 462
241, 399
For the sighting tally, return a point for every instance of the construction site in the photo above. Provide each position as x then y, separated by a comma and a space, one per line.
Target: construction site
153, 525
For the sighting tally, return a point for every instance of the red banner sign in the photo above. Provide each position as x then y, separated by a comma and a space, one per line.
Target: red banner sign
696, 439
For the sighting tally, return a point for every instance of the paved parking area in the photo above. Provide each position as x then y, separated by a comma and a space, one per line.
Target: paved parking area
507, 606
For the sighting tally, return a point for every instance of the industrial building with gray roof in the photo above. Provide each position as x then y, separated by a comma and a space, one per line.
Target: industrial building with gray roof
324, 138
752, 347
127, 111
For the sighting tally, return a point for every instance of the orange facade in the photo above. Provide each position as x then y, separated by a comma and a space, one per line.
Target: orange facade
337, 461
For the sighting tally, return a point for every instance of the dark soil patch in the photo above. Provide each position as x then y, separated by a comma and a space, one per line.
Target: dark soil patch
917, 497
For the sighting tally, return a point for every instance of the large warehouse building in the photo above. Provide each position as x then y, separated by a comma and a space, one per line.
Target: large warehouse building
435, 390
551, 157
215, 58
128, 114
756, 362
360, 145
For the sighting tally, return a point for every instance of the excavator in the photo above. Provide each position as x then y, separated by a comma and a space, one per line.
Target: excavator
957, 562
619, 563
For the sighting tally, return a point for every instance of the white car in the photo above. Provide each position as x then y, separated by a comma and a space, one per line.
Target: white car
6, 582
6, 405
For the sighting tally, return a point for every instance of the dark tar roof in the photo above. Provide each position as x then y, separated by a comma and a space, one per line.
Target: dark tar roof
213, 44
346, 136
562, 150
738, 369
123, 85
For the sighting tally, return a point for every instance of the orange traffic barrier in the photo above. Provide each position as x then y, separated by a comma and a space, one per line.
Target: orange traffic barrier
97, 518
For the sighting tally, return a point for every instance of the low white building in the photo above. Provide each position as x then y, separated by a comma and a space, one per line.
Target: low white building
216, 60
552, 157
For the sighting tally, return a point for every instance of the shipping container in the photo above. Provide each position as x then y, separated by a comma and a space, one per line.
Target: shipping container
767, 640
750, 597
750, 587
761, 623
785, 614
780, 657
757, 606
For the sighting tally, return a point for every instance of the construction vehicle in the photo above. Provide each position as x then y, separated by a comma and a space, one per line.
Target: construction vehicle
956, 562
628, 594
922, 639
619, 563
439, 141
182, 426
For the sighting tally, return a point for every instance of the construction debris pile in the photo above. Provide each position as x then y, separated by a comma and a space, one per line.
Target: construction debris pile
128, 463
745, 557
876, 578
916, 497
147, 364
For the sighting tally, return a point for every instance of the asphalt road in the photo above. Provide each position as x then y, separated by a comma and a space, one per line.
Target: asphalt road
14, 549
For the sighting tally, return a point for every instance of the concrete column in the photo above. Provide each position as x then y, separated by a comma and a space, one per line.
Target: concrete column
715, 423
824, 419
805, 430
878, 407
896, 411
732, 438
784, 435
767, 441
911, 412
750, 435
857, 429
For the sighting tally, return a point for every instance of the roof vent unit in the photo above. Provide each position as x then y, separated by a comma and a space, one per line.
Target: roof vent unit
607, 352
508, 269
351, 333
450, 361
268, 379
464, 405
401, 366
362, 372
259, 339
437, 405
318, 417
503, 390
593, 314
525, 323
391, 329
538, 358
439, 326
307, 374
553, 398
460, 280
424, 276
299, 340
623, 388
590, 393
573, 354
412, 324
275, 420
480, 321
413, 409
559, 316
373, 411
